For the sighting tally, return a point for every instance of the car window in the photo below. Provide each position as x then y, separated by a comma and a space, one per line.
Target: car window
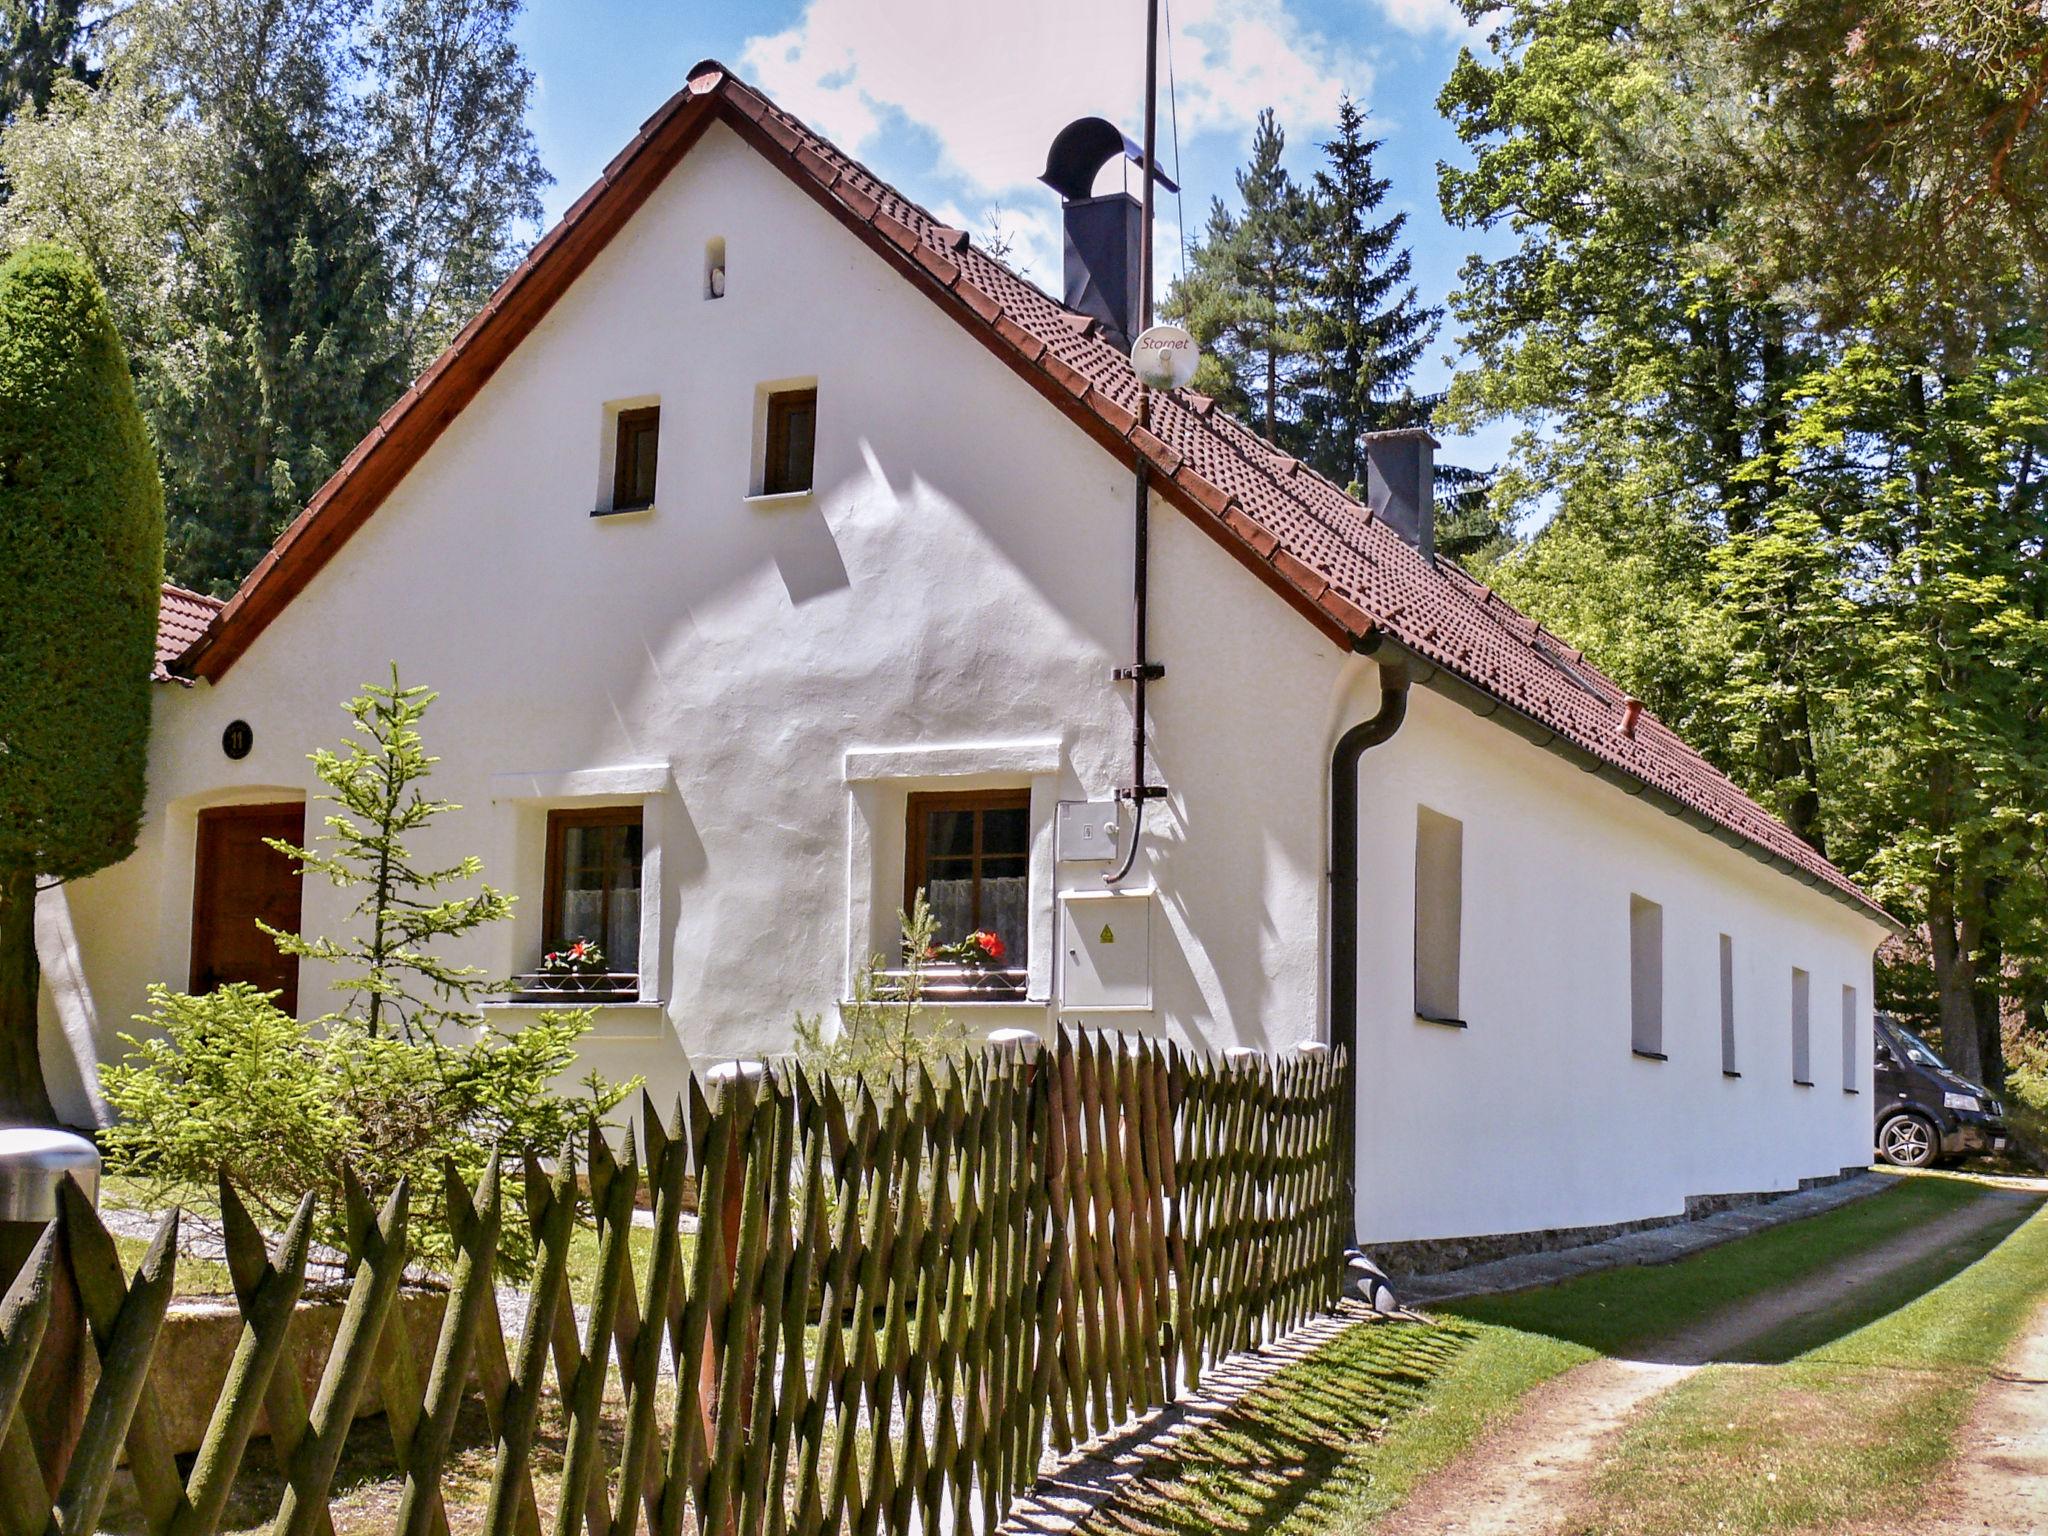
1918, 1051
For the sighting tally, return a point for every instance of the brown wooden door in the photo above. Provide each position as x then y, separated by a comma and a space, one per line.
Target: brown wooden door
238, 879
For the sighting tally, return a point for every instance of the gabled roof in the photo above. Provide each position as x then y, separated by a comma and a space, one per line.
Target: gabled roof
181, 618
1324, 553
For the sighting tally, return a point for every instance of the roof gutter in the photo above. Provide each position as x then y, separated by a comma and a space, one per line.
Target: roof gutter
1485, 705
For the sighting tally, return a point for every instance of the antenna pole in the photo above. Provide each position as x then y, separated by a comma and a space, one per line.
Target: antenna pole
1142, 669
1151, 160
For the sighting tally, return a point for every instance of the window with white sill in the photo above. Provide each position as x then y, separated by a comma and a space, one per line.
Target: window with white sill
590, 916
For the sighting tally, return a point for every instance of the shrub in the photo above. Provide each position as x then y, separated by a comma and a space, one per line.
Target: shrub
887, 1027
405, 1079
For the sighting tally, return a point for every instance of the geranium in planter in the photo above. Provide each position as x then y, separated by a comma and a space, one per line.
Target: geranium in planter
578, 968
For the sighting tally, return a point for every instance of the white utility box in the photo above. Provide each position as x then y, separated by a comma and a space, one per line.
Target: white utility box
1084, 831
1106, 949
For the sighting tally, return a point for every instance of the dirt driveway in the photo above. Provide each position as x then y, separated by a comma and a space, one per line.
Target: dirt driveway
1528, 1476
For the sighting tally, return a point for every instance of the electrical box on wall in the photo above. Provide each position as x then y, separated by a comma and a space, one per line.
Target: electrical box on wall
1106, 949
1084, 832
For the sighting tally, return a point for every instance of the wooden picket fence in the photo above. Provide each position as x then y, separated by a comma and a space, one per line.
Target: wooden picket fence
898, 1297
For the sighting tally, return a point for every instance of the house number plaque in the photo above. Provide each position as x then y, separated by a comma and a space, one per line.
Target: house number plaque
237, 739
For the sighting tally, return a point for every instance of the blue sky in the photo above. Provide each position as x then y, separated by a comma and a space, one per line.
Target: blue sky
956, 100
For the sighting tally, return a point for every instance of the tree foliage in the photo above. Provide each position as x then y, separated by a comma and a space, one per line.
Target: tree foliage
1242, 294
1365, 328
1803, 527
1310, 325
292, 205
81, 562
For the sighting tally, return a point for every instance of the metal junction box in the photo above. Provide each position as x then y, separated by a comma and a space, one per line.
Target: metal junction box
1085, 831
1106, 949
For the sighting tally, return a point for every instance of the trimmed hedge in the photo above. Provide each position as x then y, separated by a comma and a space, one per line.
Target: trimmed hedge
81, 564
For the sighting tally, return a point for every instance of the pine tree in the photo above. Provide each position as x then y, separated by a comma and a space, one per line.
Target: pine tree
294, 324
400, 986
457, 175
81, 563
291, 204
1242, 294
41, 42
1362, 322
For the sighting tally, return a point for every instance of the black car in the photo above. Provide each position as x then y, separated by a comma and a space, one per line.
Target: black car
1925, 1112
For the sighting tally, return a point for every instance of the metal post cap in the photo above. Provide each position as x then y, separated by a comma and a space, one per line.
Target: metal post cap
33, 1162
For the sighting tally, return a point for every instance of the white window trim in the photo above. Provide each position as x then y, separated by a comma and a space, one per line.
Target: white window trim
534, 794
878, 782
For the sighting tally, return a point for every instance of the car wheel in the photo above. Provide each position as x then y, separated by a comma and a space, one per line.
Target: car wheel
1909, 1141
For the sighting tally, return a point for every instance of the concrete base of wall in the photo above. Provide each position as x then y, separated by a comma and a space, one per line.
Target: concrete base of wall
1434, 1255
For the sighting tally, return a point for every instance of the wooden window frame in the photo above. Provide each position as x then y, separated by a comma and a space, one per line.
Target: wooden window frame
560, 820
626, 432
780, 404
916, 831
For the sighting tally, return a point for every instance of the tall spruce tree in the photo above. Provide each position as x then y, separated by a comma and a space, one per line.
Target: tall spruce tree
291, 204
81, 562
1242, 295
41, 42
1363, 327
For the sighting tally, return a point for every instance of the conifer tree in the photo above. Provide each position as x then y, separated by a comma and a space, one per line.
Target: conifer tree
1242, 294
81, 564
400, 985
1362, 324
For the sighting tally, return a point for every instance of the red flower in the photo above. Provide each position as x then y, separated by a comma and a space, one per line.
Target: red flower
991, 944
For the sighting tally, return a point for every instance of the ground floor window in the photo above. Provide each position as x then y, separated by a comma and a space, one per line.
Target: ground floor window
239, 881
969, 851
590, 931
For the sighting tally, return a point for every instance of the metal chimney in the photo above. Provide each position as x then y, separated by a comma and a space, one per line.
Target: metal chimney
1102, 233
1400, 483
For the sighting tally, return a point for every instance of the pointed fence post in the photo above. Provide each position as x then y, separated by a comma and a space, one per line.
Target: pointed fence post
33, 1163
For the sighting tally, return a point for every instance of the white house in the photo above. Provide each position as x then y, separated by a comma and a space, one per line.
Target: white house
772, 550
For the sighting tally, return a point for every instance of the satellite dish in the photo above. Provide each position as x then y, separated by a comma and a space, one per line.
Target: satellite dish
1165, 356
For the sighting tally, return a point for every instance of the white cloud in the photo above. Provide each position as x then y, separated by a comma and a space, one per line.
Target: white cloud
992, 84
1422, 17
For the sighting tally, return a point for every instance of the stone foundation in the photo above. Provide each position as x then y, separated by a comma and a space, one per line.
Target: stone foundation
1434, 1255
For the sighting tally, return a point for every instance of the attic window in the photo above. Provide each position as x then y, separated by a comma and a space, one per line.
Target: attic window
792, 442
637, 437
714, 267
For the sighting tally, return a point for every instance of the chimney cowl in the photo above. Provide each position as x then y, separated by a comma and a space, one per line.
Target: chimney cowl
1400, 484
1102, 234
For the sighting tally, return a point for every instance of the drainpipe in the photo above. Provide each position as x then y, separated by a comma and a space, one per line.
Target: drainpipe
1352, 746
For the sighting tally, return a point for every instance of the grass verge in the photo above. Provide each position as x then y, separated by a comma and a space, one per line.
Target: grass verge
1849, 1432
1338, 1440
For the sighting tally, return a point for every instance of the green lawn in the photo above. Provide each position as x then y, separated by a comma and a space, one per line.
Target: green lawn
1852, 1427
1335, 1441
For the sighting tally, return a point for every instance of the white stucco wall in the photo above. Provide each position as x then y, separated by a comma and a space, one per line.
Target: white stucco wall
769, 680
1538, 1113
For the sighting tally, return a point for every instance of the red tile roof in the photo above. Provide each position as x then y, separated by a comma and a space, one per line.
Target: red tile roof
181, 618
1346, 572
